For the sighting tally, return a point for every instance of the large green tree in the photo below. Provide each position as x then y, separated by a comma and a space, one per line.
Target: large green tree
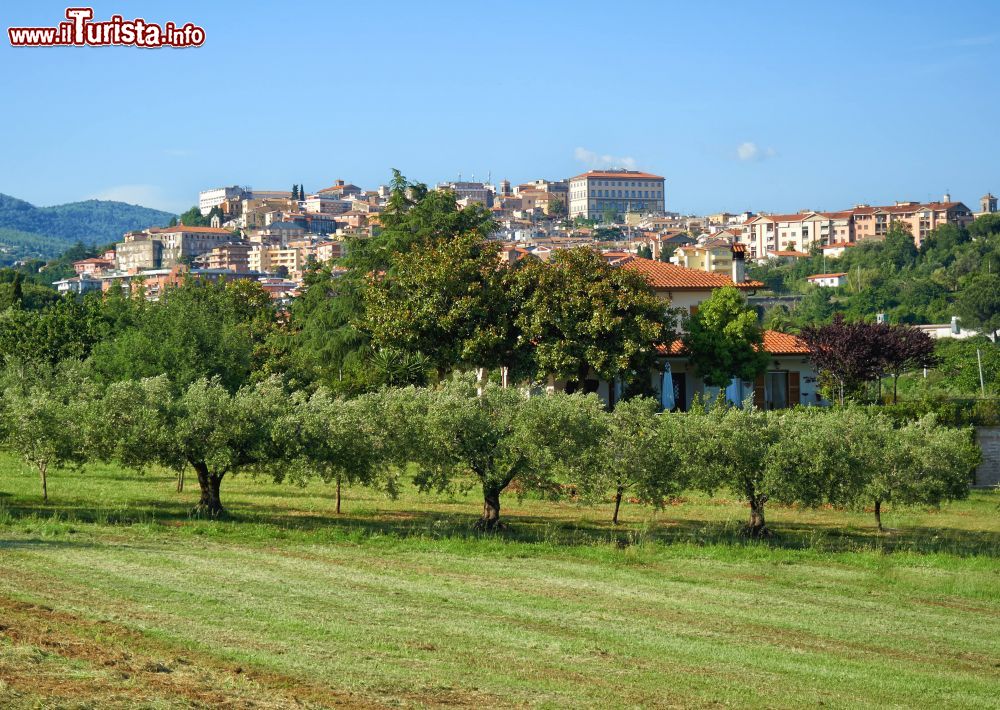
451, 301
724, 339
198, 330
328, 341
582, 314
978, 304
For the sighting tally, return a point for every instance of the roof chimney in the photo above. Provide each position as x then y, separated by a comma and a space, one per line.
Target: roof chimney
739, 264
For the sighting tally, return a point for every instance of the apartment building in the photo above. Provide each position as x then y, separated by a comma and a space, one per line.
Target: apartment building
234, 257
765, 234
325, 203
920, 218
595, 192
265, 259
712, 255
328, 251
182, 243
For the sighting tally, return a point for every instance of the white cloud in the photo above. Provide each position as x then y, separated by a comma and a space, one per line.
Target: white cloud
144, 195
596, 160
750, 151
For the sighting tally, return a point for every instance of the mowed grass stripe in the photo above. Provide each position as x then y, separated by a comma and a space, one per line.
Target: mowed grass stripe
500, 618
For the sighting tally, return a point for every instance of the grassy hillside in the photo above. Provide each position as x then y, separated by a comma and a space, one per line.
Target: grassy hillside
27, 231
129, 602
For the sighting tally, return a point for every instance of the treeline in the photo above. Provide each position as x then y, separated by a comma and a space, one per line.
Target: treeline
495, 436
956, 271
417, 349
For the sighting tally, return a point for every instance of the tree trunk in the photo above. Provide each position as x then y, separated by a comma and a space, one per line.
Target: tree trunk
482, 377
505, 377
612, 395
42, 474
209, 504
582, 378
757, 527
895, 380
618, 504
338, 495
878, 516
180, 481
491, 509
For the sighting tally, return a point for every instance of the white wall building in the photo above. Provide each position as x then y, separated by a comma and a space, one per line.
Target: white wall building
207, 199
828, 280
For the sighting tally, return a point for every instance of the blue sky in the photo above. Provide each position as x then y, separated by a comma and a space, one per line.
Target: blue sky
740, 105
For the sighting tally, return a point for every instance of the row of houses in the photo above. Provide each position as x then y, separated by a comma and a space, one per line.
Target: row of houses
798, 233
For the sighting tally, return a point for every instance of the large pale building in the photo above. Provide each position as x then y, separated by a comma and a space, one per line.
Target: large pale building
596, 192
164, 247
207, 199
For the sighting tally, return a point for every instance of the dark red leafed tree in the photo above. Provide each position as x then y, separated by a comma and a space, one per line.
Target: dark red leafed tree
903, 348
852, 354
847, 352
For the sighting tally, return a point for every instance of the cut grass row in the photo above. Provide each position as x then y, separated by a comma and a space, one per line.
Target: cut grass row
397, 603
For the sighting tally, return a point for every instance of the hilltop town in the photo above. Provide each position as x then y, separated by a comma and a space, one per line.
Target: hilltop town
274, 236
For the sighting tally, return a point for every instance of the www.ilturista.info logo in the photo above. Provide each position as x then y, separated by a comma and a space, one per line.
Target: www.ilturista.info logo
80, 31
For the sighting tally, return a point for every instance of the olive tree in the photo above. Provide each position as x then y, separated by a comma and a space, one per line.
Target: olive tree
638, 455
824, 455
215, 432
501, 437
43, 414
921, 463
335, 439
731, 447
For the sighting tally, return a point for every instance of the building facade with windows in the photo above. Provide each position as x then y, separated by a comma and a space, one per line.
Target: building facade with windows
594, 193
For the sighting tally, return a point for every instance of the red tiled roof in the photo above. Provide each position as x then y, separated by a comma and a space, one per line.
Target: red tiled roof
786, 252
775, 343
670, 277
191, 230
825, 276
617, 175
840, 245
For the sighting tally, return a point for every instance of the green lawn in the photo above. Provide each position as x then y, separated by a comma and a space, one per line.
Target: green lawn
111, 596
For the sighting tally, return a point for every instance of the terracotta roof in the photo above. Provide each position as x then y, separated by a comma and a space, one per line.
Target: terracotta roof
825, 276
191, 230
775, 343
786, 252
617, 175
670, 277
840, 245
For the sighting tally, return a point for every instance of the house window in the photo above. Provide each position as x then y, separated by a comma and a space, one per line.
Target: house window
778, 389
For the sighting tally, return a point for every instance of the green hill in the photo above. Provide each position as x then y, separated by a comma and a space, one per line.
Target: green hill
27, 231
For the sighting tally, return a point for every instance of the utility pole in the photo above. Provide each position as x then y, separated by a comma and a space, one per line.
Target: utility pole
979, 360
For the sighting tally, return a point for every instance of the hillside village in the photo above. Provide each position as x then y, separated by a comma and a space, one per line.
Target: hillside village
276, 237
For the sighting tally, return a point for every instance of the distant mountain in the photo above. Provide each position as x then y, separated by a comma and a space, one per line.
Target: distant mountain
27, 231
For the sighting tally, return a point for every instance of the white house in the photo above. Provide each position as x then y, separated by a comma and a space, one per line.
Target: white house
791, 379
828, 280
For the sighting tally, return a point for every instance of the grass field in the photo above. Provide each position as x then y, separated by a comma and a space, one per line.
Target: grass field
111, 596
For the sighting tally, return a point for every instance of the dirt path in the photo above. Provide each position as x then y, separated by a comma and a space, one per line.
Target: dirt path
57, 659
